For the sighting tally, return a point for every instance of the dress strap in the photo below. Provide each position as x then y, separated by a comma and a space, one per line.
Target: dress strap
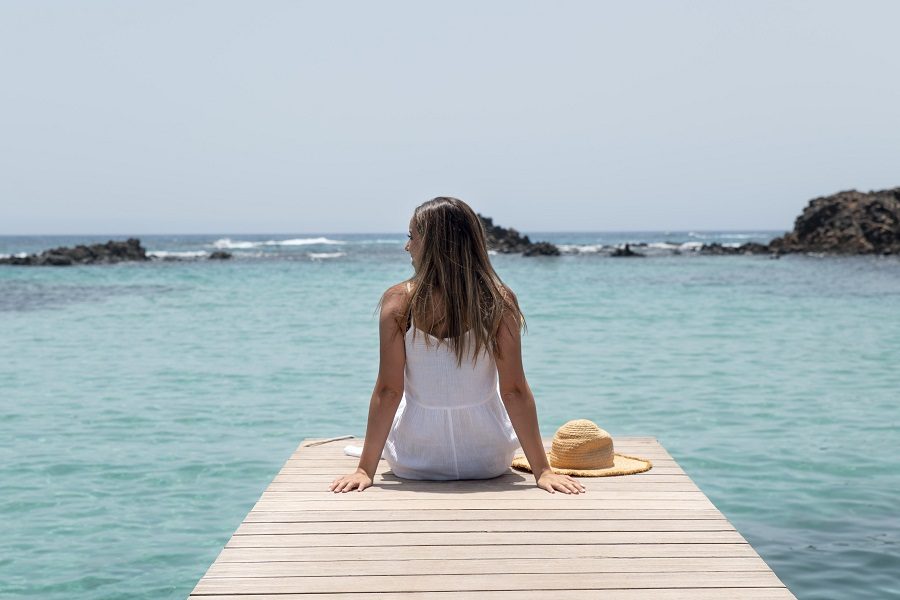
409, 321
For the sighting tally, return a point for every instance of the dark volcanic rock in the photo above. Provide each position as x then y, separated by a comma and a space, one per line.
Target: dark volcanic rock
718, 249
625, 252
848, 222
754, 248
110, 252
503, 240
220, 255
542, 249
509, 241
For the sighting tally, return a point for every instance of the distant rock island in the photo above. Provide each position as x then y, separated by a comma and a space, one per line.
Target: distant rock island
108, 253
848, 222
510, 241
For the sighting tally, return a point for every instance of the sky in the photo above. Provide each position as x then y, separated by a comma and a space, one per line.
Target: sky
268, 116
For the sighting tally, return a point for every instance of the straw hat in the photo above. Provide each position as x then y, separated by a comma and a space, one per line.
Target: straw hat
582, 449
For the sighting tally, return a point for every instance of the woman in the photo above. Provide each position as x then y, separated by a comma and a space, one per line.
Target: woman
448, 335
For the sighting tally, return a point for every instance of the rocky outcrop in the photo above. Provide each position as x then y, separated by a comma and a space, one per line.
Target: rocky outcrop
541, 249
848, 222
717, 249
510, 241
110, 252
626, 252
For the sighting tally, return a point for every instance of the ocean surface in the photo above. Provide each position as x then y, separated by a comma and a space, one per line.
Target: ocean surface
144, 407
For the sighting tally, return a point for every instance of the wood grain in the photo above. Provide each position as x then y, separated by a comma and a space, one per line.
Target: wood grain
652, 535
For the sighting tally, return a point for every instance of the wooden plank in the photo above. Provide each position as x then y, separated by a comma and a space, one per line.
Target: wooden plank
430, 526
549, 502
724, 593
489, 538
379, 494
548, 552
302, 516
398, 582
503, 566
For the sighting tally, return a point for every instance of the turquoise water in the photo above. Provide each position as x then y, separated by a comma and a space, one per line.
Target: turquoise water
145, 407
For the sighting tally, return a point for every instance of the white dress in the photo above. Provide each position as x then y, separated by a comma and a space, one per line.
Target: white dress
451, 423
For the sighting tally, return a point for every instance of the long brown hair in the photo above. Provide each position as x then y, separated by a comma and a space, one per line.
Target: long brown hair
454, 282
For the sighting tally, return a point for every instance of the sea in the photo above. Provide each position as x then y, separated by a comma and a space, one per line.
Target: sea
145, 406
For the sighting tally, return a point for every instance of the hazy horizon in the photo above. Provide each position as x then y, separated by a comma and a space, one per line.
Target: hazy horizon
214, 116
398, 232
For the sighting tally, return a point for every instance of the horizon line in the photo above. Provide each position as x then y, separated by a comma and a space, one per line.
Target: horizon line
398, 233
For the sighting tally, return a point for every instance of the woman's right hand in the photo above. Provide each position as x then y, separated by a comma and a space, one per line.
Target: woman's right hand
550, 481
358, 480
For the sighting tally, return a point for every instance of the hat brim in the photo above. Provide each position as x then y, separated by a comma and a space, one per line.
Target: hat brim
622, 465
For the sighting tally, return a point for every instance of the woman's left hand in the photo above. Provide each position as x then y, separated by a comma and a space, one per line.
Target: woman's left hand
359, 480
550, 481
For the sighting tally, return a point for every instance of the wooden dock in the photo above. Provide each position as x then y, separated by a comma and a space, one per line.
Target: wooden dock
653, 535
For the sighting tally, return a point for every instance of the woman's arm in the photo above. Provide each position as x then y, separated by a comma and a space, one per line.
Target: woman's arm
519, 403
387, 393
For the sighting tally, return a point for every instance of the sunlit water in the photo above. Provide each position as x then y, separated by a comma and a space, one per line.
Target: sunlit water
144, 407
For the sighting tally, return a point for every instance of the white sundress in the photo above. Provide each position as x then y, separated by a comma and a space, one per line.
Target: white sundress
451, 423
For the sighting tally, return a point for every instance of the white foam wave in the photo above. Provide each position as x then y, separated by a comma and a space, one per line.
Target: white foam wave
662, 246
691, 246
302, 242
173, 254
321, 255
580, 248
229, 244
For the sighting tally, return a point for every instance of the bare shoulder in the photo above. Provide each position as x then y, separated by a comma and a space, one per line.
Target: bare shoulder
512, 314
395, 298
511, 303
508, 295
